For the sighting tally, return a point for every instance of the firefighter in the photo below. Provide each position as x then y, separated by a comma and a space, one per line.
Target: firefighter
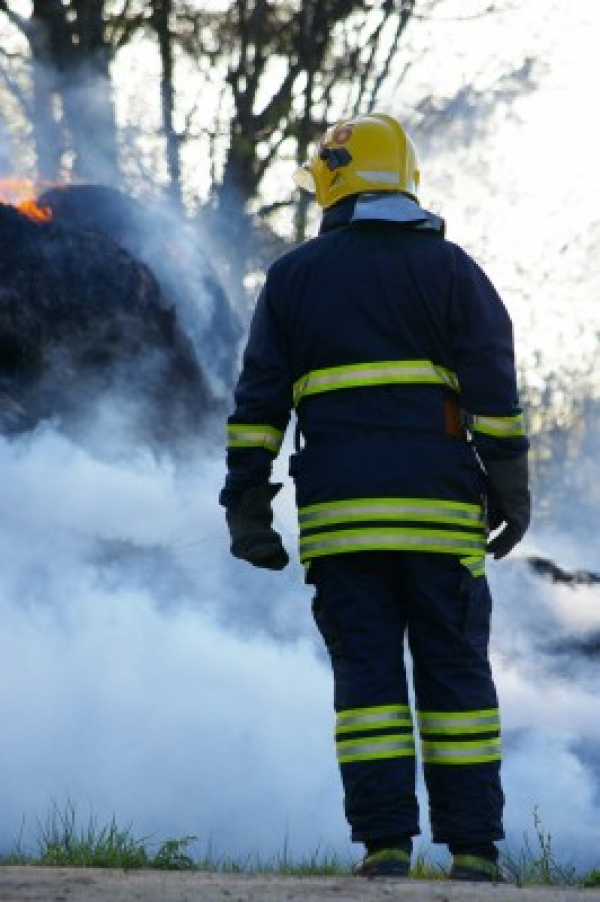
395, 352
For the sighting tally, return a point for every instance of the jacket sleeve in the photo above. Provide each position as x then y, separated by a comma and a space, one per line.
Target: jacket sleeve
263, 403
482, 337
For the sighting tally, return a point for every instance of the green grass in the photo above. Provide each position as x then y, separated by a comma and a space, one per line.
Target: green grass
64, 842
592, 878
537, 864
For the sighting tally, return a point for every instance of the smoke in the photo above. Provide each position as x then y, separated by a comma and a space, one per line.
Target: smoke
128, 682
146, 675
5, 151
548, 699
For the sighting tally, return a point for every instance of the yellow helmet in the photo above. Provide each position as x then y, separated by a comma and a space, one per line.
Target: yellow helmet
366, 153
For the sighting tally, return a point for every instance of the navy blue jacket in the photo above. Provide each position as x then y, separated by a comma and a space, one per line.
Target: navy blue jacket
394, 349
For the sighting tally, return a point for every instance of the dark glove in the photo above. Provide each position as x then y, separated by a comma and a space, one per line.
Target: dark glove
509, 502
253, 538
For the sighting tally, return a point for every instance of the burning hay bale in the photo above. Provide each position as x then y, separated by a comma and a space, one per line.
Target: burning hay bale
83, 322
158, 237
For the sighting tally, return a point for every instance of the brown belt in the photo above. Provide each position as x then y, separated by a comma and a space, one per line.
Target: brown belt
454, 420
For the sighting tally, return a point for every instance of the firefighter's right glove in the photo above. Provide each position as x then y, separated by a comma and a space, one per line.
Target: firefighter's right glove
253, 538
510, 500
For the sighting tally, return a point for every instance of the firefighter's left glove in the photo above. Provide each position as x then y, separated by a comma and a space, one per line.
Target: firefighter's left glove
508, 488
253, 538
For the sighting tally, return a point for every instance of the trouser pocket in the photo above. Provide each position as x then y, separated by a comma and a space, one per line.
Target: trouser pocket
477, 609
326, 625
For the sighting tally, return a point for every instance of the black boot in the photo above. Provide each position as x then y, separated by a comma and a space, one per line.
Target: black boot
475, 863
386, 858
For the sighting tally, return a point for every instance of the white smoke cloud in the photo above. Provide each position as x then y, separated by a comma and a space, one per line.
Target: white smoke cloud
548, 694
124, 689
146, 675
5, 151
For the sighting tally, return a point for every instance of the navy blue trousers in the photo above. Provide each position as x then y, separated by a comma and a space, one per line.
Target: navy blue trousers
365, 605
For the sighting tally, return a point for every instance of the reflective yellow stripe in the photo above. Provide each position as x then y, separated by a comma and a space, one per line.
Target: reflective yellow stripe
458, 724
364, 719
348, 540
254, 435
432, 510
500, 427
317, 540
379, 372
475, 564
471, 752
475, 863
375, 748
374, 743
449, 722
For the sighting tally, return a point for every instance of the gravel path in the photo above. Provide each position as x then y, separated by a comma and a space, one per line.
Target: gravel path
38, 884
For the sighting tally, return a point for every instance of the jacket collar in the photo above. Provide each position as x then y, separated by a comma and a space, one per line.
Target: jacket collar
383, 208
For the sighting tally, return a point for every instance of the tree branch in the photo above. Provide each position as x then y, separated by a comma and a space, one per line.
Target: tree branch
491, 9
13, 86
23, 24
267, 209
404, 18
121, 28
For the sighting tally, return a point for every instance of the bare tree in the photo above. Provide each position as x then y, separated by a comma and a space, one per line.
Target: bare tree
286, 66
73, 105
282, 70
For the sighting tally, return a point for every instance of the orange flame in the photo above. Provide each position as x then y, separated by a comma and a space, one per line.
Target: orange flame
35, 211
21, 194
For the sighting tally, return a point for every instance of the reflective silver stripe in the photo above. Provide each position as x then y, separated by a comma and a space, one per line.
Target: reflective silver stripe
461, 753
384, 372
373, 719
391, 509
463, 722
385, 176
372, 749
353, 747
332, 540
503, 427
316, 382
394, 539
254, 435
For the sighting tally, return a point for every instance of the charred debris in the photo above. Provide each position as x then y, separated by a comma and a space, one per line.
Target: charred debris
104, 301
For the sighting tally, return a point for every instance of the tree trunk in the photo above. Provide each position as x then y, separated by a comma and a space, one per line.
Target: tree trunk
71, 62
48, 135
162, 11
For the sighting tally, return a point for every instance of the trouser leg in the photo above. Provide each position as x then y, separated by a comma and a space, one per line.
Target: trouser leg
358, 613
457, 706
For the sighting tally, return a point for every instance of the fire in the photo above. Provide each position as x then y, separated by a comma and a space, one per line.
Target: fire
34, 210
20, 193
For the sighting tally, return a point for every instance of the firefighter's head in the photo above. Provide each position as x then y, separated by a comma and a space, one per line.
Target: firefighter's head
363, 154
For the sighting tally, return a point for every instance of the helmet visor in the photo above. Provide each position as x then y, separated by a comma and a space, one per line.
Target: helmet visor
304, 179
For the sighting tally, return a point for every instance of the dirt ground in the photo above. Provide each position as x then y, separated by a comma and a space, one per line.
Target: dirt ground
37, 884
